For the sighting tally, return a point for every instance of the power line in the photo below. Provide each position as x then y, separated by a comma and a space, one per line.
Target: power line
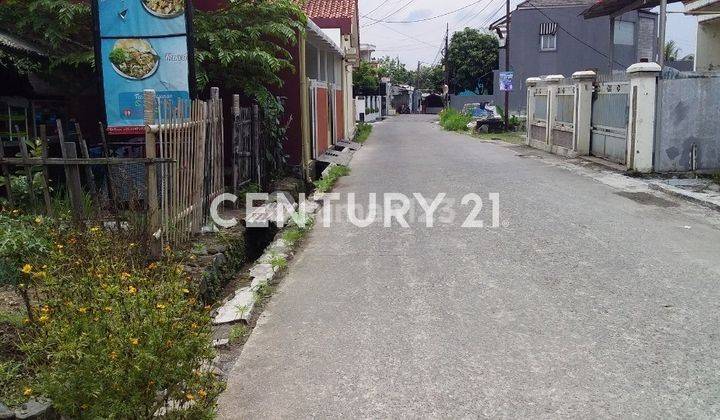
491, 17
475, 15
409, 36
428, 18
373, 10
388, 15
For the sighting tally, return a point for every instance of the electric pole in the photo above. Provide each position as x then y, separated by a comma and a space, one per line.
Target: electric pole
507, 62
447, 47
663, 26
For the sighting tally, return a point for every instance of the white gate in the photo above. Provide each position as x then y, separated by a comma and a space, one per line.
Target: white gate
610, 115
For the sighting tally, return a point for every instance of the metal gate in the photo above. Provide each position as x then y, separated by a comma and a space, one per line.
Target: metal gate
610, 115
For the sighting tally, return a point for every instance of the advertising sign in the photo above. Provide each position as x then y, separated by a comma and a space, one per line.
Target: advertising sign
506, 81
143, 44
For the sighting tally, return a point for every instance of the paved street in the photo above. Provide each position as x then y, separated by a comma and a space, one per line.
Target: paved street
593, 301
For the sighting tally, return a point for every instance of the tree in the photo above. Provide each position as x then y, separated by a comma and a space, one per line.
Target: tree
431, 78
365, 77
396, 71
472, 57
671, 51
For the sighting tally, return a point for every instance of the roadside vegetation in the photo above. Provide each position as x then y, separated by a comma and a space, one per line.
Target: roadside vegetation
453, 120
362, 132
507, 136
336, 172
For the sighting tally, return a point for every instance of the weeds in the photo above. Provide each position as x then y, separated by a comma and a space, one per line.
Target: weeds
237, 333
362, 132
336, 172
716, 177
279, 262
263, 292
453, 120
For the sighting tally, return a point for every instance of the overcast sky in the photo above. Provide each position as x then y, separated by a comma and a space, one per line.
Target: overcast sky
422, 41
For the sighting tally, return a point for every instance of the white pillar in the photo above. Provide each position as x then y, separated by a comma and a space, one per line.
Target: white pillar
641, 127
531, 83
553, 80
584, 87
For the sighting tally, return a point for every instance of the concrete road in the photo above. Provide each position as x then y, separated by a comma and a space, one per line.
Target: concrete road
597, 299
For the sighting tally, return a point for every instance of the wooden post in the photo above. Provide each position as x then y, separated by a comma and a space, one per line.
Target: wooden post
151, 194
86, 154
109, 178
46, 172
236, 138
257, 150
6, 174
28, 171
72, 175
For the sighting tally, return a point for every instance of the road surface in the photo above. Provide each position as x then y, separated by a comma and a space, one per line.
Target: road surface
590, 299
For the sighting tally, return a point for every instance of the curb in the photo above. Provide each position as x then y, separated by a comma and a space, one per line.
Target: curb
685, 195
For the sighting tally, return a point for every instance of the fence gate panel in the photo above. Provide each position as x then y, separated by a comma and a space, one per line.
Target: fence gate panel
539, 118
610, 117
564, 123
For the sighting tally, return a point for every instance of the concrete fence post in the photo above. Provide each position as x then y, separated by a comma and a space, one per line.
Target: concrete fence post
584, 84
553, 81
641, 126
531, 84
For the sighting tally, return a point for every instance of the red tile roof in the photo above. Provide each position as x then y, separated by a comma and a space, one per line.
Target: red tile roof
331, 9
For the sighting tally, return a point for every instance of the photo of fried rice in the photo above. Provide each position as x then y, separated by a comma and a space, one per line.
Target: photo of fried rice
134, 58
164, 8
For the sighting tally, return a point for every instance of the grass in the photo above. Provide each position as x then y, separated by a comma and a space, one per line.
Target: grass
336, 172
453, 120
716, 177
237, 333
507, 136
279, 262
363, 132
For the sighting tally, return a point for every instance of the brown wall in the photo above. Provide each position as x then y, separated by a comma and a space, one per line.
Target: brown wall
322, 142
340, 115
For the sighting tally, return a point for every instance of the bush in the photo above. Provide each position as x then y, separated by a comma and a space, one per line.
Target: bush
362, 132
336, 172
453, 120
115, 337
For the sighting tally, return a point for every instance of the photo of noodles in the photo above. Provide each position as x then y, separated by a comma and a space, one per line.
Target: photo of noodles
164, 8
134, 58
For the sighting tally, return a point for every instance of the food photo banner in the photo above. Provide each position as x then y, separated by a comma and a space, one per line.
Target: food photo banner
142, 44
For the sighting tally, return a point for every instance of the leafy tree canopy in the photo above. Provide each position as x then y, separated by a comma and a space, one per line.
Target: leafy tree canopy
431, 78
472, 57
396, 71
365, 77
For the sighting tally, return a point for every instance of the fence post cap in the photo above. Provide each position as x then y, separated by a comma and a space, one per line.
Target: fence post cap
639, 68
584, 75
532, 81
555, 78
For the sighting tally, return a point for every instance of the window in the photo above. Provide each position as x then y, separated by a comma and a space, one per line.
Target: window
548, 42
624, 33
311, 62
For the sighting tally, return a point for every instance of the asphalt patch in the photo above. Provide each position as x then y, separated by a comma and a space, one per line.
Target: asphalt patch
647, 199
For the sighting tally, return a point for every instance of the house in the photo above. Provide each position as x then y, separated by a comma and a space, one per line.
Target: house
366, 52
549, 37
707, 56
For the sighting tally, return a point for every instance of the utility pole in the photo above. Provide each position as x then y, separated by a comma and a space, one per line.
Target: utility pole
447, 48
663, 26
417, 76
507, 62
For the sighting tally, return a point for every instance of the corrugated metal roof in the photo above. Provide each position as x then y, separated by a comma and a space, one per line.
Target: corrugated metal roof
556, 3
13, 42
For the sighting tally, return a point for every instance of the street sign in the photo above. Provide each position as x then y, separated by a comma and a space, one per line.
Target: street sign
141, 44
506, 81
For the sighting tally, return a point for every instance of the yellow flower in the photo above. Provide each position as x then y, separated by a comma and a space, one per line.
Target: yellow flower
43, 318
125, 276
27, 392
194, 326
152, 266
186, 291
60, 246
134, 341
132, 245
108, 309
132, 290
94, 229
38, 220
202, 393
113, 355
27, 269
189, 396
82, 310
160, 306
45, 309
167, 248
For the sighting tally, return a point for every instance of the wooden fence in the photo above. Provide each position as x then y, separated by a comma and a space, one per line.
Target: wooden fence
249, 148
189, 136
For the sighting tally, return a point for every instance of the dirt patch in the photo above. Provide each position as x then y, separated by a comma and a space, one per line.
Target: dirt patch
648, 199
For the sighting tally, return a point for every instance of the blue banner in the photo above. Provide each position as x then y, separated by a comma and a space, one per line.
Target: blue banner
143, 45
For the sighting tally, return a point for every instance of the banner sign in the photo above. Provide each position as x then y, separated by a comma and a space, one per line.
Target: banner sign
143, 44
506, 81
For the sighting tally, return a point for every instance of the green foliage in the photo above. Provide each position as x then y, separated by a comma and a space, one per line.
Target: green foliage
215, 278
671, 50
453, 120
23, 240
716, 177
431, 78
327, 183
279, 262
115, 337
237, 333
366, 77
396, 71
362, 132
472, 57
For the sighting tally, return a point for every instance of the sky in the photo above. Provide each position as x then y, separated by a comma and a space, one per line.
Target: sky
422, 41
